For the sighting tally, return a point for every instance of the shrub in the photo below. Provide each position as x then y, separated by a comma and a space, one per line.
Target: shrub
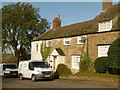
56, 75
114, 54
45, 51
9, 59
63, 69
114, 71
85, 63
114, 57
100, 64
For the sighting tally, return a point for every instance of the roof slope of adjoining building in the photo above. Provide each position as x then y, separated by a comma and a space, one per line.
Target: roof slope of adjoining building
82, 28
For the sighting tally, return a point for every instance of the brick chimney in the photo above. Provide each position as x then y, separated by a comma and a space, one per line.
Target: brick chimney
57, 22
106, 4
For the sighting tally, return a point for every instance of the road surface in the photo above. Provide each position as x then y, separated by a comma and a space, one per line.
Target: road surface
58, 83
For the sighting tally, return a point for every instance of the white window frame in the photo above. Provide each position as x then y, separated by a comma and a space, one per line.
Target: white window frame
105, 26
80, 40
103, 50
48, 43
75, 62
67, 41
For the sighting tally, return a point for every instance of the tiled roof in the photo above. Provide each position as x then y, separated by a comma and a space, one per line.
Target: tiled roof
81, 28
60, 52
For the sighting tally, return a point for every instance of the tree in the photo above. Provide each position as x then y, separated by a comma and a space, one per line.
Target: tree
21, 22
114, 54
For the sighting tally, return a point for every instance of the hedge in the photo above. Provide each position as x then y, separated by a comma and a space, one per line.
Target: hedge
63, 69
114, 54
100, 64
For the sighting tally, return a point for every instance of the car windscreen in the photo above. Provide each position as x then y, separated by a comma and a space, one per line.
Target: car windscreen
9, 66
39, 64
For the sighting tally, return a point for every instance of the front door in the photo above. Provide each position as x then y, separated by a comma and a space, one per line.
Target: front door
75, 62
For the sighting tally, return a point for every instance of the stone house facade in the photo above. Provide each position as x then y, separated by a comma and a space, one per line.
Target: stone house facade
69, 42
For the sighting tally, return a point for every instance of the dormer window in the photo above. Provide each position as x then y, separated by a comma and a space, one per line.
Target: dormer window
105, 26
67, 41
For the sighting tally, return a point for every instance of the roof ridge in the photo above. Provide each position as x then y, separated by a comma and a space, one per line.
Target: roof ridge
80, 28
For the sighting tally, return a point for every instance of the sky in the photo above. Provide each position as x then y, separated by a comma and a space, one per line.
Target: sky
70, 12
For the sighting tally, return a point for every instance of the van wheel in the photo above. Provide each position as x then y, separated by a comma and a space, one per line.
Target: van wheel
33, 78
21, 77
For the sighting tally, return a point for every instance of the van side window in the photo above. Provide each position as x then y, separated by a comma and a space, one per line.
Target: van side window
31, 66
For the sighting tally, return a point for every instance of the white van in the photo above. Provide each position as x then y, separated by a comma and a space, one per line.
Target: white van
35, 69
8, 70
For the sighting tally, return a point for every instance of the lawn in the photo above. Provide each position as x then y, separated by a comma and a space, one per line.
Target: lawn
92, 74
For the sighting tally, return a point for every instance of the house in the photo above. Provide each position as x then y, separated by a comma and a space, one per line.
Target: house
66, 44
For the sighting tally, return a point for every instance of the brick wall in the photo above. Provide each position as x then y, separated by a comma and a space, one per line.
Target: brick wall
91, 44
72, 49
101, 38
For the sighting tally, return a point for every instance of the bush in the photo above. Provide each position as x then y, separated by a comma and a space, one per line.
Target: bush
9, 59
114, 54
100, 64
63, 70
85, 64
114, 71
56, 75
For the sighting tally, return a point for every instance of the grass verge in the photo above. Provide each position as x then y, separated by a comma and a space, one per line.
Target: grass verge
93, 74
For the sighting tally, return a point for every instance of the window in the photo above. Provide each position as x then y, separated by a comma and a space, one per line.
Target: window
48, 43
36, 47
75, 62
67, 41
38, 65
103, 50
81, 39
105, 26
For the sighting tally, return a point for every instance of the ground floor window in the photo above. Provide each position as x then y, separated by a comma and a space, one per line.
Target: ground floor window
103, 50
75, 62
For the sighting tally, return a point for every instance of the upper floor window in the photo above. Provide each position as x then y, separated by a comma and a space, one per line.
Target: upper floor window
67, 41
105, 26
48, 43
81, 39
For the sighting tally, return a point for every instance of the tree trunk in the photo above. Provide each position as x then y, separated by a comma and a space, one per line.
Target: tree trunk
16, 52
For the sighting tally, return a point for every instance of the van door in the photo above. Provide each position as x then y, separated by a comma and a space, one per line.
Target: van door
24, 69
28, 72
1, 70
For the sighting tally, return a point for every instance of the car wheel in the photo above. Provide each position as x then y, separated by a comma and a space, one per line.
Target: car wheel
33, 78
21, 77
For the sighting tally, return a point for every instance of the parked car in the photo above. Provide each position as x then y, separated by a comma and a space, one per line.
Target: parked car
35, 70
8, 70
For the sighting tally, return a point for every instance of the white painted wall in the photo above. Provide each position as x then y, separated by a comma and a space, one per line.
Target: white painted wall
58, 60
36, 55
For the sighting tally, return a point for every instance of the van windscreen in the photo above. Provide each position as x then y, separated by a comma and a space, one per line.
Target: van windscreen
11, 66
39, 64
